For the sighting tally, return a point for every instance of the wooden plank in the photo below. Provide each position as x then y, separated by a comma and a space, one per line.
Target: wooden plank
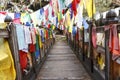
4, 33
63, 66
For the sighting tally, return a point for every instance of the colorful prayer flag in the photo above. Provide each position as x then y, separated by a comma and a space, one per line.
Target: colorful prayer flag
74, 6
90, 7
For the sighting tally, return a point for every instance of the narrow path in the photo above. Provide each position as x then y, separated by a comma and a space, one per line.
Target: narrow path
62, 64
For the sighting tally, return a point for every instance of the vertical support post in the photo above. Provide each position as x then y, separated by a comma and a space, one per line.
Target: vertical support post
14, 48
78, 42
75, 42
91, 48
107, 56
83, 45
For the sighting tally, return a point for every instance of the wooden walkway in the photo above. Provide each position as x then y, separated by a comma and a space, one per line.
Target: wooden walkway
62, 64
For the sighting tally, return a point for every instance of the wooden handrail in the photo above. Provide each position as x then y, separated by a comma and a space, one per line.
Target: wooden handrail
118, 28
4, 33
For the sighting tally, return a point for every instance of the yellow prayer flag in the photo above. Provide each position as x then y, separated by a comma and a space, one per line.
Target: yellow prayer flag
71, 25
34, 18
3, 25
40, 42
68, 18
22, 17
58, 15
68, 21
90, 7
53, 27
7, 69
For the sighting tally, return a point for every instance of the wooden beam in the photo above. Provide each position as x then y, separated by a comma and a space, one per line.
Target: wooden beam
4, 33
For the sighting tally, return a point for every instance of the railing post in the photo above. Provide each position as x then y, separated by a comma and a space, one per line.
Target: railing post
107, 56
83, 45
91, 47
14, 49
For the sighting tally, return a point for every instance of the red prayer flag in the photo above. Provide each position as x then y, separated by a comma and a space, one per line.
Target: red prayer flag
63, 11
52, 12
74, 6
48, 26
4, 13
46, 34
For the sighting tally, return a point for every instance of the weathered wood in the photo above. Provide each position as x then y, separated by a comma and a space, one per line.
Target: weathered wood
83, 45
62, 64
100, 49
100, 29
118, 28
91, 47
107, 56
4, 33
14, 49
